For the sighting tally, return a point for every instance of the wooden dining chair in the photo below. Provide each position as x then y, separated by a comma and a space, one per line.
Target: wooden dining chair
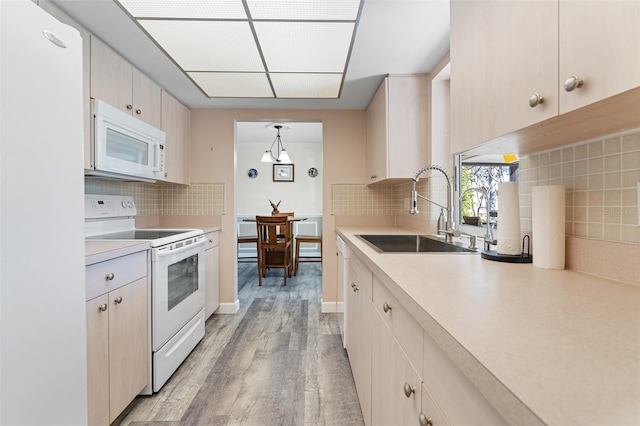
311, 239
274, 245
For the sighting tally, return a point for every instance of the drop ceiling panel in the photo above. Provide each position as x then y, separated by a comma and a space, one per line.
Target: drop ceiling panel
233, 85
207, 45
287, 85
305, 46
314, 10
202, 9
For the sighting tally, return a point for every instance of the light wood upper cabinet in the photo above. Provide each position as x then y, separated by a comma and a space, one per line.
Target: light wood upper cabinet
176, 124
507, 54
502, 53
116, 82
397, 128
599, 43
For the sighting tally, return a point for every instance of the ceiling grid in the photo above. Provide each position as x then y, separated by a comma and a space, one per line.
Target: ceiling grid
254, 48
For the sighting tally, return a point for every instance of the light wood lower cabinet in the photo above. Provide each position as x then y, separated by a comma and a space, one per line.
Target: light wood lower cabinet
117, 337
401, 373
396, 387
212, 273
358, 315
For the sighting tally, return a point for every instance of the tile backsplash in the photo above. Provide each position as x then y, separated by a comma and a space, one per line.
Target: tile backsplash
363, 200
600, 179
164, 199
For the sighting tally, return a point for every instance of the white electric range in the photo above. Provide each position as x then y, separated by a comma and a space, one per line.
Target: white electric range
177, 279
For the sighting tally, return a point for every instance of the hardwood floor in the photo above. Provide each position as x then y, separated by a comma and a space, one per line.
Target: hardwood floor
278, 361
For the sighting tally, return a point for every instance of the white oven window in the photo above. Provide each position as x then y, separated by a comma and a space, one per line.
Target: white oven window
182, 280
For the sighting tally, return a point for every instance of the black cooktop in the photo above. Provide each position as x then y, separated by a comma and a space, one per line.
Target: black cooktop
138, 235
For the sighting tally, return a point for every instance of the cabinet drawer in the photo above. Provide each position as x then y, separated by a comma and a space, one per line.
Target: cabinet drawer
431, 411
405, 329
124, 269
213, 239
459, 400
363, 275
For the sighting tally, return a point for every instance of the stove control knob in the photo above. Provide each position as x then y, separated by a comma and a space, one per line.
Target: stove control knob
124, 204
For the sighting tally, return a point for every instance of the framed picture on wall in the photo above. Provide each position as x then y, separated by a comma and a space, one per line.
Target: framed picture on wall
283, 172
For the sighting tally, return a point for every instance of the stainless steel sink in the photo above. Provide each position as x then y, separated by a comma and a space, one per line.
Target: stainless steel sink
411, 244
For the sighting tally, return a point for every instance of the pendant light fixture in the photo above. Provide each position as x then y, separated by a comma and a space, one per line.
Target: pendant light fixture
282, 156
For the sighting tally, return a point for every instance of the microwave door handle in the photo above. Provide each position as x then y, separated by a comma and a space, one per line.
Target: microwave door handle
156, 157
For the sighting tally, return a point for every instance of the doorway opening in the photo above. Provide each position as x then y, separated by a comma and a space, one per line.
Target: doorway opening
293, 186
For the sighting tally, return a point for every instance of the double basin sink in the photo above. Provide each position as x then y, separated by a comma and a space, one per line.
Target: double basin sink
412, 244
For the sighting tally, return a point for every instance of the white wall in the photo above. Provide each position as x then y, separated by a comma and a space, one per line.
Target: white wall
302, 196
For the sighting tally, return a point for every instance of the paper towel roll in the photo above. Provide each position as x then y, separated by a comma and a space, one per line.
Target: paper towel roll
548, 207
509, 239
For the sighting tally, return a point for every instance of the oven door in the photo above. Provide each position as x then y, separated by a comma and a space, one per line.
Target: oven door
177, 288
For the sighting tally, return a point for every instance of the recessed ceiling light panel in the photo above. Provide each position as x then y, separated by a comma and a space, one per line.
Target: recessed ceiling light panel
321, 86
180, 9
305, 46
207, 45
304, 10
233, 85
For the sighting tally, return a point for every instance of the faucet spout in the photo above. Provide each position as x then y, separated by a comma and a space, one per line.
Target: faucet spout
449, 230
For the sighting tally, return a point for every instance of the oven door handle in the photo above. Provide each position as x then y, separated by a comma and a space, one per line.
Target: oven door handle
195, 247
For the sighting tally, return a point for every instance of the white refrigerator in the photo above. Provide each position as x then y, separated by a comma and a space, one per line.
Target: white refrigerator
42, 291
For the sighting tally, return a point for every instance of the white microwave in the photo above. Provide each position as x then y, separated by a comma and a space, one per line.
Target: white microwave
124, 147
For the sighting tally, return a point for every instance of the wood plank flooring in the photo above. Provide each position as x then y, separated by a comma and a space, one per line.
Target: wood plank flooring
278, 361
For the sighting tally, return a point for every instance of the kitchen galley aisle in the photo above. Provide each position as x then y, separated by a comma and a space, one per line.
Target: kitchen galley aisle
277, 361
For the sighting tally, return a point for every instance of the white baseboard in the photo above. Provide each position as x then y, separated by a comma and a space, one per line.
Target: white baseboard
228, 308
329, 307
340, 307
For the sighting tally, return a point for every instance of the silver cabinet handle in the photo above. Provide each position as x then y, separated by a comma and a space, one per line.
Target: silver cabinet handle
572, 83
129, 107
117, 300
102, 307
423, 420
354, 287
374, 176
109, 277
138, 111
386, 307
535, 100
409, 390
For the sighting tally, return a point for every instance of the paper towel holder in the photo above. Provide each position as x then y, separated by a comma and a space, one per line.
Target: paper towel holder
524, 257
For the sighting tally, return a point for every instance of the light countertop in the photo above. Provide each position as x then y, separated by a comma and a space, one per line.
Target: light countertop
102, 250
562, 345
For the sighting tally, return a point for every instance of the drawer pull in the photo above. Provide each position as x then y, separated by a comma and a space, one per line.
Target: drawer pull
109, 277
354, 287
117, 300
423, 420
409, 390
386, 307
102, 307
